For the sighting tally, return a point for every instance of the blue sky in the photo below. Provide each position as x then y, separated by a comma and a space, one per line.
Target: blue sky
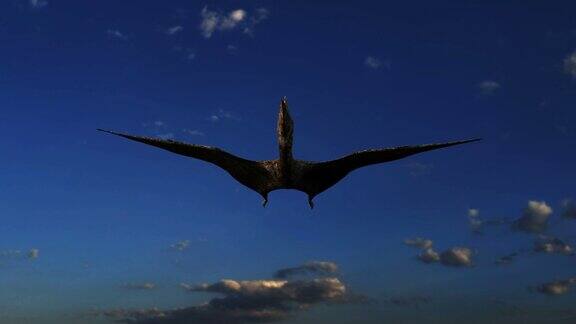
104, 212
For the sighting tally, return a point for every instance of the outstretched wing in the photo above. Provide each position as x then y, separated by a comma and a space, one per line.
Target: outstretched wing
252, 174
317, 177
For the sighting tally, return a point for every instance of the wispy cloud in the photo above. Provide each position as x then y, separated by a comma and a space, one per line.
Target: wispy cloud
548, 244
477, 224
38, 4
31, 254
222, 114
507, 259
116, 34
180, 245
312, 267
419, 169
166, 136
189, 54
554, 288
474, 220
570, 64
419, 242
238, 19
174, 30
193, 132
568, 209
372, 62
488, 87
139, 286
160, 129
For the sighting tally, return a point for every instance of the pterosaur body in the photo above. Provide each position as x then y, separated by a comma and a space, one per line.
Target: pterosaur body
286, 172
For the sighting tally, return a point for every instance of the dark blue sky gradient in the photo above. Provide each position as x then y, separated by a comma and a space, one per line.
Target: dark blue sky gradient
104, 211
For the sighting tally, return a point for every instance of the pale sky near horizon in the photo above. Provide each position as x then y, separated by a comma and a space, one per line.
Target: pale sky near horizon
105, 213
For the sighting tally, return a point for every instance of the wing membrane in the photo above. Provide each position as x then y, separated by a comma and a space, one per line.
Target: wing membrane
252, 174
317, 177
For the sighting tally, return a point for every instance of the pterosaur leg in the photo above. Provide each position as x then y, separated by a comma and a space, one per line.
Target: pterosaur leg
310, 202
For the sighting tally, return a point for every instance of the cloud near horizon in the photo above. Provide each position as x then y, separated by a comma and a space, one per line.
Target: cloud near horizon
249, 301
555, 288
139, 286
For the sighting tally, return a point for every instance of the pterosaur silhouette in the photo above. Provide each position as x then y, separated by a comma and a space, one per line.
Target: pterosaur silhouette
287, 172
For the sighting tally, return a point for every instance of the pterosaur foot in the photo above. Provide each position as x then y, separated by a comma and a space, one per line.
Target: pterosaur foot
310, 202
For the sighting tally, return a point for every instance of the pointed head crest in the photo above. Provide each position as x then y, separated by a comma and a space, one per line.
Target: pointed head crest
285, 129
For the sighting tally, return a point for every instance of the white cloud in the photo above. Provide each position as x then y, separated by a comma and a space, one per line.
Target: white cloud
535, 217
38, 4
457, 257
233, 19
429, 256
213, 21
558, 287
488, 87
570, 64
474, 220
115, 33
174, 30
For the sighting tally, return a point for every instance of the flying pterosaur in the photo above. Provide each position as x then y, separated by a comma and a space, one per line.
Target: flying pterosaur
287, 172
